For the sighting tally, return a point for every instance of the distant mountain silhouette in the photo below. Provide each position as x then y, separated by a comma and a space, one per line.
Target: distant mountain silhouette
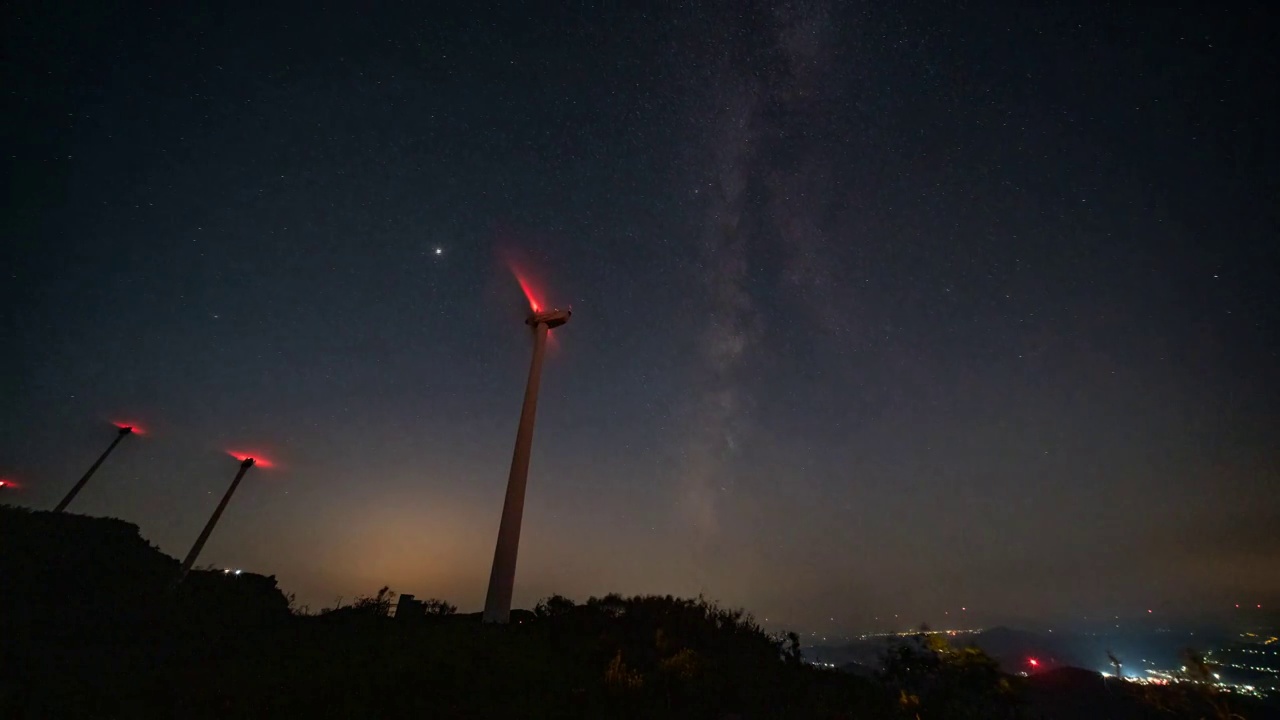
1068, 693
1015, 648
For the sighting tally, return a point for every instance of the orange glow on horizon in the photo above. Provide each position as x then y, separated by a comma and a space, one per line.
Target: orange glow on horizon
258, 459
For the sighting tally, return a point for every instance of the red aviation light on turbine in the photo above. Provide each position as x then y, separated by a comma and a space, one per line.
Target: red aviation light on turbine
132, 427
535, 305
525, 280
1033, 662
7, 484
256, 457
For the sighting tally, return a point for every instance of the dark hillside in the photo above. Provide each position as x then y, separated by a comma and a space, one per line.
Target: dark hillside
93, 627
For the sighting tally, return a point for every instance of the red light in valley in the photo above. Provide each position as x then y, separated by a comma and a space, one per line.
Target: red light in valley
258, 459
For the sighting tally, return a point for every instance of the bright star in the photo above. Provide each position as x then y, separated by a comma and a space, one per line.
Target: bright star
439, 251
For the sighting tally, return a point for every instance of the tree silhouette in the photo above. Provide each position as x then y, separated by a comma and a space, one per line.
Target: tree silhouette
379, 604
435, 606
554, 606
933, 679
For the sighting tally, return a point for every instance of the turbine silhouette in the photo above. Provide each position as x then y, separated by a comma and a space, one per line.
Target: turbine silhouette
75, 490
497, 604
245, 464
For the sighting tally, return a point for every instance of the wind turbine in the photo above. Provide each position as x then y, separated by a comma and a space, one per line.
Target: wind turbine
497, 604
246, 462
124, 429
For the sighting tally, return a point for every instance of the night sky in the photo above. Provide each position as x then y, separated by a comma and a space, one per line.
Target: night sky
880, 310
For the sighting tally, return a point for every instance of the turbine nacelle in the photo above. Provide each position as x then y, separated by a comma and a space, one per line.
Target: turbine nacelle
127, 427
249, 458
551, 318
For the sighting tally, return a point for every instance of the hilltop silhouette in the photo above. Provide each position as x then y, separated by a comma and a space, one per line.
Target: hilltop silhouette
94, 627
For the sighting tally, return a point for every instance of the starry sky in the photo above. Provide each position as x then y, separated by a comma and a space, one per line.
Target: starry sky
880, 310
